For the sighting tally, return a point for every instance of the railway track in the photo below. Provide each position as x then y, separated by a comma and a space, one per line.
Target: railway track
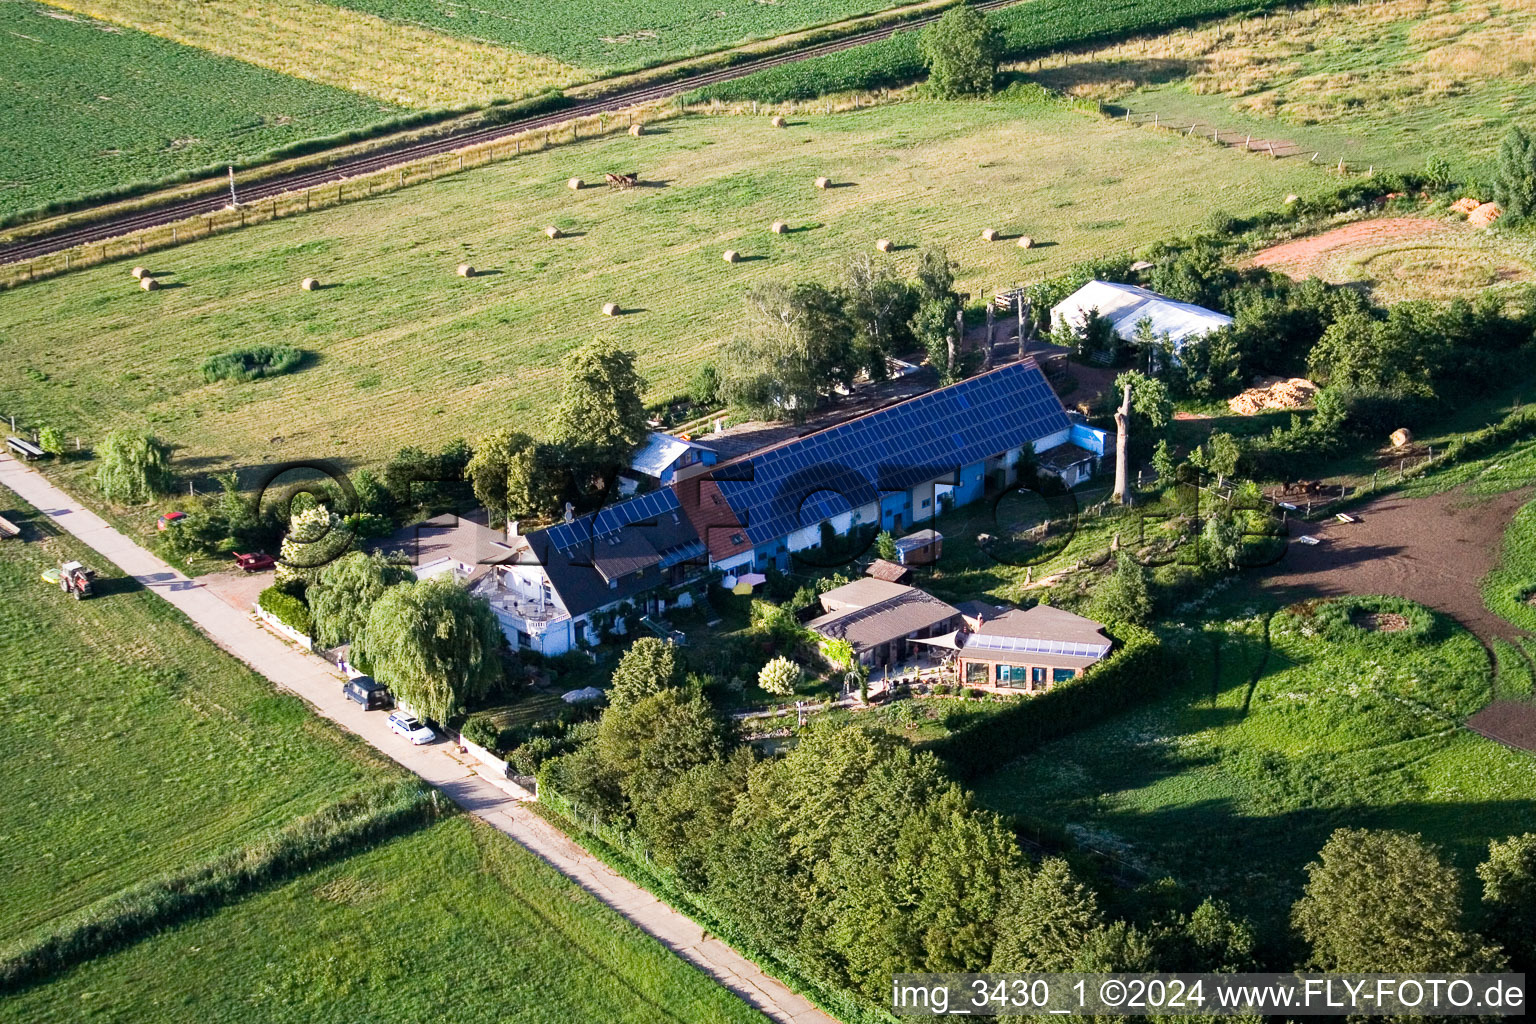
177, 210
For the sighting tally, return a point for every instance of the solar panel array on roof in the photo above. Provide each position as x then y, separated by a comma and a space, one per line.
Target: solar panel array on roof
1020, 644
812, 479
567, 536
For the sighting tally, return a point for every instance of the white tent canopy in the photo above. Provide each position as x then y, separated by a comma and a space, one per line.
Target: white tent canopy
1126, 305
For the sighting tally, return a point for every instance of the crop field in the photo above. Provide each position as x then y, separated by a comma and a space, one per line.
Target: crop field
1235, 778
406, 352
91, 106
386, 60
452, 923
136, 747
605, 36
1382, 82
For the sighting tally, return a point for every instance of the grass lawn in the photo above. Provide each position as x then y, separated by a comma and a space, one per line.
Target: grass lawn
91, 106
1382, 83
1510, 590
1233, 781
453, 923
407, 352
134, 746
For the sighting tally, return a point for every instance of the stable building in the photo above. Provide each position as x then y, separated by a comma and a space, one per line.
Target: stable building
1127, 305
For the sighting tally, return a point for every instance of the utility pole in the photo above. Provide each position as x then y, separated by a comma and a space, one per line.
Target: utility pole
1122, 450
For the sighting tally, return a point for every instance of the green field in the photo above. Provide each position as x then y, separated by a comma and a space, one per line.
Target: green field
1233, 780
407, 352
1386, 83
612, 35
137, 748
90, 107
1510, 590
454, 923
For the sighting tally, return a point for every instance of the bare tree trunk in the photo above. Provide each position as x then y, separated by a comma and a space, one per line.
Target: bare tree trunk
1123, 450
986, 361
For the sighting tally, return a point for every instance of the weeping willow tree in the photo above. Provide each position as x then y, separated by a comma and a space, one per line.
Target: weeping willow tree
436, 646
133, 468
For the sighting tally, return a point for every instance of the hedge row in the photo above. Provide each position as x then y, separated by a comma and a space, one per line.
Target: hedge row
287, 609
1137, 672
1028, 29
357, 821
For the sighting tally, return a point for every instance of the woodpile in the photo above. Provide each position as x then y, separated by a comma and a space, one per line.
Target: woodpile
1401, 437
1484, 215
1466, 204
1273, 393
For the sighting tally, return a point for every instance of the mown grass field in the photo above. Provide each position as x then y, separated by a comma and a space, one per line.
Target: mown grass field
407, 352
604, 36
90, 107
135, 746
1510, 590
1382, 82
453, 923
388, 60
1235, 778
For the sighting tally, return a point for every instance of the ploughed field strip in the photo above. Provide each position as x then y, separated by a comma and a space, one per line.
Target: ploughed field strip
396, 328
91, 106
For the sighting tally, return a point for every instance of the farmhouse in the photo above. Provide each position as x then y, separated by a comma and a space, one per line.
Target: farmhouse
889, 469
881, 619
1027, 650
449, 544
663, 455
1127, 305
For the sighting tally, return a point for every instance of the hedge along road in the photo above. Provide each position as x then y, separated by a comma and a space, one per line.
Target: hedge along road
178, 210
317, 682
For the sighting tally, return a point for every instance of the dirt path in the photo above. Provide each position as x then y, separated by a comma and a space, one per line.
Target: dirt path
1305, 257
1433, 550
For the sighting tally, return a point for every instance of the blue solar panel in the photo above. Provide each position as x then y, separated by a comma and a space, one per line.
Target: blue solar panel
1022, 645
567, 536
786, 488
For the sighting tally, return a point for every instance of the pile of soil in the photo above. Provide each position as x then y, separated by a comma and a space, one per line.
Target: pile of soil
1383, 622
1273, 393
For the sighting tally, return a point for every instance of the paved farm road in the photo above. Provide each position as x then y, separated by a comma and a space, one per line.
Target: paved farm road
317, 682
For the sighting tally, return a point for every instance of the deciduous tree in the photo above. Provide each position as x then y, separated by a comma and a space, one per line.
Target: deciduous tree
601, 409
1514, 183
133, 468
962, 50
647, 668
435, 645
341, 599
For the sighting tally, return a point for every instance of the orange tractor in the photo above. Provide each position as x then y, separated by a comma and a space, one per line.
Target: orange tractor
76, 579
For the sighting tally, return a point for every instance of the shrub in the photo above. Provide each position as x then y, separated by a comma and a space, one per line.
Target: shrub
961, 52
482, 731
1129, 676
250, 362
1344, 619
779, 677
287, 609
970, 693
51, 440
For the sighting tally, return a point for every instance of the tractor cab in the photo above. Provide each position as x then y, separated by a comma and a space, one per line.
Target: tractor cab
76, 579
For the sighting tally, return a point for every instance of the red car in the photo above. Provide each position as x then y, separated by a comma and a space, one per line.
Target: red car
255, 562
169, 520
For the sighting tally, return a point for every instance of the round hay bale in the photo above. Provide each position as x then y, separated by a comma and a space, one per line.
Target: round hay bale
553, 232
637, 129
731, 256
574, 184
610, 309
823, 182
1401, 437
776, 121
778, 227
1025, 242
149, 284
138, 273
989, 234
883, 244
465, 270
309, 284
